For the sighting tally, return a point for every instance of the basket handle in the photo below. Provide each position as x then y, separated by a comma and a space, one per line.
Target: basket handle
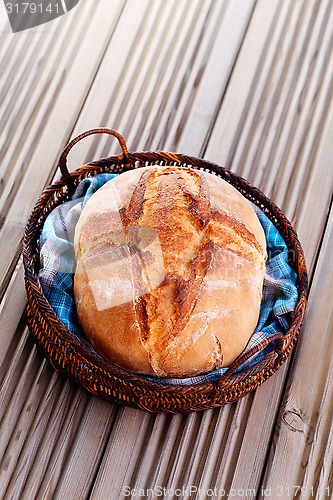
63, 158
277, 337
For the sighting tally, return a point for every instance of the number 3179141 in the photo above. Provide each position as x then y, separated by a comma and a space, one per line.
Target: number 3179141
32, 8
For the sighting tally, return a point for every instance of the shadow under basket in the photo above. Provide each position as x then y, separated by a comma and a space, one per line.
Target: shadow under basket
68, 355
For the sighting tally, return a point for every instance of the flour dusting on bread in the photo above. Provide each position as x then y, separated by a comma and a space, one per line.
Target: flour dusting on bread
170, 268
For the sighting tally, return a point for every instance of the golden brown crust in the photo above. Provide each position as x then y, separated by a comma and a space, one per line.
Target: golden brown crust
170, 271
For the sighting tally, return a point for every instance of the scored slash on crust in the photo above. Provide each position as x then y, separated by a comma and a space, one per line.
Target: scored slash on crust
174, 239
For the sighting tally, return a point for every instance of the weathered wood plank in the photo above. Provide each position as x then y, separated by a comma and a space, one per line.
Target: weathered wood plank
16, 422
234, 147
305, 419
35, 399
191, 131
116, 475
11, 310
157, 97
85, 450
39, 133
142, 91
123, 102
17, 481
262, 405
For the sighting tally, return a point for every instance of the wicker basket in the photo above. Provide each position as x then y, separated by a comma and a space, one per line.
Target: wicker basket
68, 355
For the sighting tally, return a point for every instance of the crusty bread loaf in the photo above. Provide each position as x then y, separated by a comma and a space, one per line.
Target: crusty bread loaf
170, 268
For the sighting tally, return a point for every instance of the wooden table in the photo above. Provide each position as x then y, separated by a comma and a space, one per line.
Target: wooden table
247, 84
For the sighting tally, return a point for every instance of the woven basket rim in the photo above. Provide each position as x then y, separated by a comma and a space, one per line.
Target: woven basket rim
61, 190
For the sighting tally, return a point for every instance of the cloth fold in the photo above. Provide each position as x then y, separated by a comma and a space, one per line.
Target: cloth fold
57, 268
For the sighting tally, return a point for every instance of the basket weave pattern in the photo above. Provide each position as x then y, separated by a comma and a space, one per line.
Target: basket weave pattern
83, 364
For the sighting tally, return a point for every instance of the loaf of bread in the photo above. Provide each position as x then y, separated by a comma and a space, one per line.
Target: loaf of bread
170, 268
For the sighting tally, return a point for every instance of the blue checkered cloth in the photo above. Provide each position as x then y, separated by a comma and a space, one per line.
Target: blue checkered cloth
57, 268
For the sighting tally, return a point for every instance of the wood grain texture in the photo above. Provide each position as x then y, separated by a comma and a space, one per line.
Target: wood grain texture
62, 82
305, 419
248, 84
255, 443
